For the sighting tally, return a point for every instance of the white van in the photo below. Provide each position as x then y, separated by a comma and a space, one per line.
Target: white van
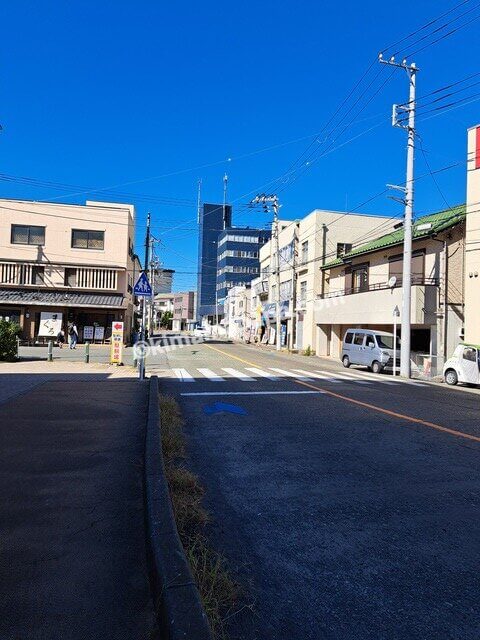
372, 349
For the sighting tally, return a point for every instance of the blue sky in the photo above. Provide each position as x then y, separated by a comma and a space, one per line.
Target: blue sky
102, 94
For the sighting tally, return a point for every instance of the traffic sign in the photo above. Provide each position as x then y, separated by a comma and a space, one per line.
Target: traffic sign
142, 287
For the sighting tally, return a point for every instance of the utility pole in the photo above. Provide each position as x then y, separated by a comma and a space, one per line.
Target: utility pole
141, 369
408, 108
265, 201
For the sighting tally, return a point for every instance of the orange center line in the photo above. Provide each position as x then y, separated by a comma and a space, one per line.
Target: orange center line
366, 405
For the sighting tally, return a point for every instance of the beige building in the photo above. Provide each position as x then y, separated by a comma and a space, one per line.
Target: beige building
364, 287
305, 245
63, 262
472, 239
183, 311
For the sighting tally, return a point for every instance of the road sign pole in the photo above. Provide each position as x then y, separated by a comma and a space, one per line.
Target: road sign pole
141, 368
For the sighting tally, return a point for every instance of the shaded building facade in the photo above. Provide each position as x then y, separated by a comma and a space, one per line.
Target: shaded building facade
214, 218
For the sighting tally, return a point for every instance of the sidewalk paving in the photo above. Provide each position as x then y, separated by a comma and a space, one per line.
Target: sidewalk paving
73, 561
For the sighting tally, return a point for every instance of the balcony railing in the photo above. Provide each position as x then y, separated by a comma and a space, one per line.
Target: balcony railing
416, 281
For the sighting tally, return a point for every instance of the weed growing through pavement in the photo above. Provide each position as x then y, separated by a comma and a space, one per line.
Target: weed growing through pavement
215, 584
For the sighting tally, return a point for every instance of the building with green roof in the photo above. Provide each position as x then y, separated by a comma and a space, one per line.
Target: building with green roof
364, 286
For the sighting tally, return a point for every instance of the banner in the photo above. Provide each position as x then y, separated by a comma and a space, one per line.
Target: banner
117, 343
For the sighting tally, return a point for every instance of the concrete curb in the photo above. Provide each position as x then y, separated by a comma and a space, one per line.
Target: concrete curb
177, 600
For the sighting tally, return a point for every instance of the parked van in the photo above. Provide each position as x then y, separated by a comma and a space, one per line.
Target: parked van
464, 365
372, 349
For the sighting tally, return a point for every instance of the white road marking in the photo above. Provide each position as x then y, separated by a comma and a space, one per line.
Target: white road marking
238, 374
343, 376
183, 375
379, 377
211, 375
320, 376
290, 374
261, 373
252, 393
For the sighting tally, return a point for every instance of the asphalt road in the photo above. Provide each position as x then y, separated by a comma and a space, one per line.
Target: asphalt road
347, 508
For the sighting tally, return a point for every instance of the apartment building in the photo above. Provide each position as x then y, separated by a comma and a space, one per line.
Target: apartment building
63, 262
472, 239
237, 320
305, 245
183, 311
364, 287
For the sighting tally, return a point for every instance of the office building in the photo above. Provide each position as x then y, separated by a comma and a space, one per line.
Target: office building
214, 218
238, 259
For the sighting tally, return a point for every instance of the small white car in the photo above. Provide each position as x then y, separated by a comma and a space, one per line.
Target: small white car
463, 366
201, 332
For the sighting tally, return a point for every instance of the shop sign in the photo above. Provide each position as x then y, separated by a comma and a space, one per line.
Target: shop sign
50, 324
117, 343
99, 333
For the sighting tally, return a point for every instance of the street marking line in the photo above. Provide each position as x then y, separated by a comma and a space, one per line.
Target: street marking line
289, 374
183, 375
373, 377
367, 405
211, 375
320, 376
238, 374
252, 393
261, 373
348, 378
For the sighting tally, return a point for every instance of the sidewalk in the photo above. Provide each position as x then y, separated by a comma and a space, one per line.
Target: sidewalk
73, 562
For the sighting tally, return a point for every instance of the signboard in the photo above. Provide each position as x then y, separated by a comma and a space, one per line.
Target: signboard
117, 343
142, 287
99, 333
88, 333
50, 324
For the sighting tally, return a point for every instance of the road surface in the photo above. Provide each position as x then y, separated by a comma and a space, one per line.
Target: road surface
346, 504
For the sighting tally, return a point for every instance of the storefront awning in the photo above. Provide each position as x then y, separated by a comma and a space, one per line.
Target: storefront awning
61, 298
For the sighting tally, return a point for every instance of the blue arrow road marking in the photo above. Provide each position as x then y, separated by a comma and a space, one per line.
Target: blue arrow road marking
223, 407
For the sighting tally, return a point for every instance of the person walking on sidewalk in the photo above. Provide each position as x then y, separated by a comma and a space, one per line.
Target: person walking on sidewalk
72, 335
61, 338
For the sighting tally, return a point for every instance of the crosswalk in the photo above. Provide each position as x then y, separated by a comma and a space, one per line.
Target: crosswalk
253, 374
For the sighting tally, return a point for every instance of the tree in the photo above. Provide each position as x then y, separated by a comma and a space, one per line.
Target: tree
8, 340
166, 320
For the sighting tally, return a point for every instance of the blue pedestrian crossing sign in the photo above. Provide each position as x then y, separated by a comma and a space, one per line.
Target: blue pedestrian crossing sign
142, 287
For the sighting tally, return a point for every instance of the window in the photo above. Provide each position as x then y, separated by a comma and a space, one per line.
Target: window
38, 275
27, 234
356, 278
470, 354
370, 341
349, 338
386, 342
305, 252
83, 239
395, 267
358, 340
303, 292
343, 248
70, 279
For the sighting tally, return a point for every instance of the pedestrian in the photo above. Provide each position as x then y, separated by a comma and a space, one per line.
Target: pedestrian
72, 335
61, 338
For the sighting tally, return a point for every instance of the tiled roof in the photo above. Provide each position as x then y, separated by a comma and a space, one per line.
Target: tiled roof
423, 227
61, 298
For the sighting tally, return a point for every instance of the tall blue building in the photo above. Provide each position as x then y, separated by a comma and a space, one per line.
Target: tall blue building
214, 218
238, 260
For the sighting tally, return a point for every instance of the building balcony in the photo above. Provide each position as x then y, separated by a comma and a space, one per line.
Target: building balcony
375, 304
261, 287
